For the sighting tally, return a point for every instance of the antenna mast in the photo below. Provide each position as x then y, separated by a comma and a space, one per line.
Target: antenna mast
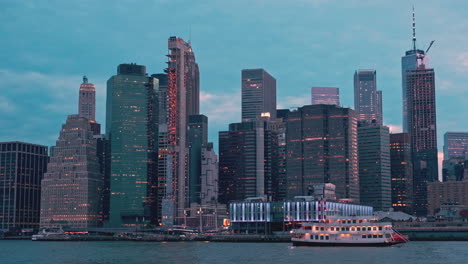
414, 31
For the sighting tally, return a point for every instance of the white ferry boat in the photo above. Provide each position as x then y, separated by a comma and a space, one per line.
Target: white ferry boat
348, 231
51, 235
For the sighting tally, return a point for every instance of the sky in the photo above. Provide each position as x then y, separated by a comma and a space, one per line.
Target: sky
47, 48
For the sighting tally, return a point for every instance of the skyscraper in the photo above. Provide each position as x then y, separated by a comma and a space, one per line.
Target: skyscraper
22, 166
456, 145
183, 99
412, 59
401, 172
325, 95
72, 187
374, 165
198, 139
258, 94
87, 100
421, 106
132, 130
247, 161
367, 100
321, 145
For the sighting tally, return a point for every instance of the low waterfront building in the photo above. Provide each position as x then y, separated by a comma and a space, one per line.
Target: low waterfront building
259, 216
450, 192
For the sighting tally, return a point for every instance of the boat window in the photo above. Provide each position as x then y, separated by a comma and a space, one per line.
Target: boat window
322, 228
347, 229
360, 221
380, 236
380, 228
316, 228
387, 235
327, 238
342, 229
374, 228
358, 229
332, 228
354, 221
364, 236
369, 236
353, 229
374, 236
316, 236
321, 237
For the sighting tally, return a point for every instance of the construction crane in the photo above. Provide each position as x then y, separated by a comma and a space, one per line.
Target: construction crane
421, 56
430, 45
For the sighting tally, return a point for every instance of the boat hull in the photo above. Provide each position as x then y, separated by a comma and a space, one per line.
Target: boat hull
337, 244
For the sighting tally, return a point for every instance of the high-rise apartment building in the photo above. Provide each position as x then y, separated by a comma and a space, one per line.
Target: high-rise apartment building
401, 172
22, 166
73, 185
367, 99
421, 107
258, 94
322, 147
456, 145
325, 95
374, 165
247, 161
183, 99
132, 131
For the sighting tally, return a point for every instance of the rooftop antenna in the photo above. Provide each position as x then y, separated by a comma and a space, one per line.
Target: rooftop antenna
85, 79
414, 31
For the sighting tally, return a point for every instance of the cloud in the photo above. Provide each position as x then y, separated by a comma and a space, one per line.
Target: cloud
6, 105
395, 128
222, 107
293, 101
440, 158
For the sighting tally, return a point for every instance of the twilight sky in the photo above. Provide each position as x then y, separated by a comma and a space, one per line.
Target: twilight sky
46, 48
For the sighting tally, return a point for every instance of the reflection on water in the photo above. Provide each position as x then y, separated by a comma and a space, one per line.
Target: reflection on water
202, 252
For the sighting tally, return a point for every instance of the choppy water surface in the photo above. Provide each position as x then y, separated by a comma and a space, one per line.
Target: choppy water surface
203, 252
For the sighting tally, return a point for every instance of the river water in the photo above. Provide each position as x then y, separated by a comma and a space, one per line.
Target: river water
211, 252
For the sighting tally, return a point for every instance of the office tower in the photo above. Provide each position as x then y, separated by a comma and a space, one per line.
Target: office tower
87, 100
401, 172
423, 132
367, 100
258, 94
412, 59
102, 150
72, 186
322, 148
247, 161
456, 145
209, 175
374, 165
197, 135
183, 99
22, 166
281, 181
132, 131
325, 95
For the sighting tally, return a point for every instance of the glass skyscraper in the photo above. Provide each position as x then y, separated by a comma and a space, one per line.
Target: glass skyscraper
367, 99
22, 166
402, 172
132, 130
321, 143
258, 94
325, 95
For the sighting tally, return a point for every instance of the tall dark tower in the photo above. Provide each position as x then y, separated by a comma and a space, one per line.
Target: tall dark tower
87, 100
419, 117
367, 99
258, 94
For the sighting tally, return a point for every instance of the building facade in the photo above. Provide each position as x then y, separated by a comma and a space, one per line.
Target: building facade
321, 143
325, 95
197, 138
247, 161
456, 145
209, 175
73, 185
22, 166
422, 128
258, 94
451, 192
367, 99
374, 166
132, 131
401, 172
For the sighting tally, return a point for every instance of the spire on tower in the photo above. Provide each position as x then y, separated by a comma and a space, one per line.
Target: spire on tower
85, 79
414, 31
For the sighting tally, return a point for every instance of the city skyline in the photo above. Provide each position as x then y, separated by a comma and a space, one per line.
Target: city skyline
58, 77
